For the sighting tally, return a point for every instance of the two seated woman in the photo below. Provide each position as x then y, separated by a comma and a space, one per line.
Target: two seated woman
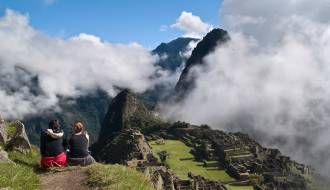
53, 144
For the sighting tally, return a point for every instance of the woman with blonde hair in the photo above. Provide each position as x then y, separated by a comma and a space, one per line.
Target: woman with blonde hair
78, 146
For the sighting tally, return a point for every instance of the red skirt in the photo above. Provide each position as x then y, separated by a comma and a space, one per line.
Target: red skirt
56, 161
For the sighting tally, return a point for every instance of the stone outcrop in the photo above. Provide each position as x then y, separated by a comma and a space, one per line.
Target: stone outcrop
3, 133
4, 157
20, 140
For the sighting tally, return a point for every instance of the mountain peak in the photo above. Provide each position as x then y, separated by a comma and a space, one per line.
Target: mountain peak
174, 46
204, 47
173, 51
125, 111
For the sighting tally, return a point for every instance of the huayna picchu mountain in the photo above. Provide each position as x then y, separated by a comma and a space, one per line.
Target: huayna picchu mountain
132, 135
125, 111
204, 47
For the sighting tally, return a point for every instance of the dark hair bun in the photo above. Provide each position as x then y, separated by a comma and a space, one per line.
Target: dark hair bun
54, 125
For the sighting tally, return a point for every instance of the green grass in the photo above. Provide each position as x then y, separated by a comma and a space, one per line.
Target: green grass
30, 159
116, 177
232, 187
20, 175
11, 129
179, 150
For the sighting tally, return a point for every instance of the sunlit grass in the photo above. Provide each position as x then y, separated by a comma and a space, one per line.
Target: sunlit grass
232, 187
178, 151
20, 175
116, 177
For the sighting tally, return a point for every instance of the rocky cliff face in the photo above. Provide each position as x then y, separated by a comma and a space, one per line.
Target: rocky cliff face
204, 47
125, 111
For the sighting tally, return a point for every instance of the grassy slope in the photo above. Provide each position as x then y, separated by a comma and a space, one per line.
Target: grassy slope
179, 150
116, 177
21, 174
10, 129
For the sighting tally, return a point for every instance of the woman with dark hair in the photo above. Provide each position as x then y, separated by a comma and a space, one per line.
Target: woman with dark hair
78, 146
52, 146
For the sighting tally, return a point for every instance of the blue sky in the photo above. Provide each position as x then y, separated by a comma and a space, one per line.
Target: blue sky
117, 21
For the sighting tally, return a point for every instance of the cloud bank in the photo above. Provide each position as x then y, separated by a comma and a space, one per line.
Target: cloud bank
271, 80
37, 69
191, 25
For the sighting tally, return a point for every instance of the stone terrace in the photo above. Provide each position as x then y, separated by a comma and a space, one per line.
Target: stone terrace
241, 156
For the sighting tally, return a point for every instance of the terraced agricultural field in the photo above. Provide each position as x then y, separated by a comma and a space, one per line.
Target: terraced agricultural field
181, 161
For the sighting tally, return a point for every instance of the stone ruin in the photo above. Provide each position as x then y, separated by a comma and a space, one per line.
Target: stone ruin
242, 157
130, 148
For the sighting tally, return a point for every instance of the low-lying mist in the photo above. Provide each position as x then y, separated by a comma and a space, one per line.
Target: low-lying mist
37, 69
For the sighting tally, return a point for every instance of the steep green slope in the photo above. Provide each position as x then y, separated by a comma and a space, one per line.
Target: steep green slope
116, 177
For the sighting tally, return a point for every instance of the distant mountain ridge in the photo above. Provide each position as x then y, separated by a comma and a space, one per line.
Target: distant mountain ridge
90, 109
173, 51
173, 57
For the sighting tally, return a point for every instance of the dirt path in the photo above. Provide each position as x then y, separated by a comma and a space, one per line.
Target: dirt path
64, 180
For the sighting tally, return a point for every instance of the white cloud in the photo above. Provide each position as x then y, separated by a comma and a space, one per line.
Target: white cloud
264, 19
64, 67
191, 25
188, 50
270, 80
